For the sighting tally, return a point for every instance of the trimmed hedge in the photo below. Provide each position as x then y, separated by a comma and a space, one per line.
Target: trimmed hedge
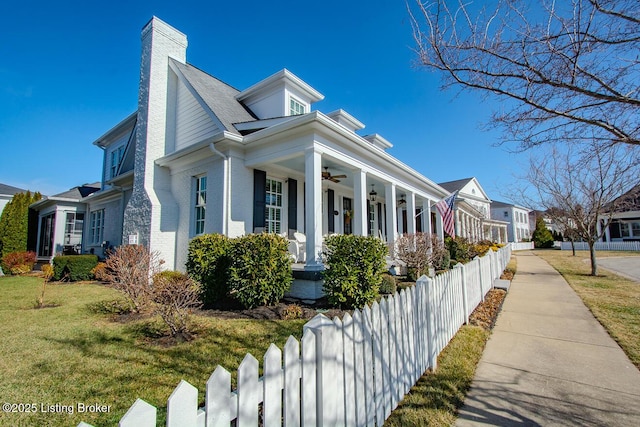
354, 269
74, 267
208, 263
254, 269
260, 272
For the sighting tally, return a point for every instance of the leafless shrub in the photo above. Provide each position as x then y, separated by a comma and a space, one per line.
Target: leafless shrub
129, 269
174, 296
421, 251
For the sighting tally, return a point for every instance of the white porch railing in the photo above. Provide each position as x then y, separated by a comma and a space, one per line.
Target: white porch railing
351, 372
603, 246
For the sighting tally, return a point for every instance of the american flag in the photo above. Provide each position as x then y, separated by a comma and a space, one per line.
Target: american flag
445, 207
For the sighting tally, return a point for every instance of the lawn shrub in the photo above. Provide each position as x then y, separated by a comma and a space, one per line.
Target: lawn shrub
129, 268
174, 295
460, 249
74, 267
100, 272
388, 285
18, 263
260, 271
208, 263
354, 269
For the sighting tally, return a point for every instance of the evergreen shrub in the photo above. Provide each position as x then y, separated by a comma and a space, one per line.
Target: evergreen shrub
74, 267
208, 263
354, 267
260, 271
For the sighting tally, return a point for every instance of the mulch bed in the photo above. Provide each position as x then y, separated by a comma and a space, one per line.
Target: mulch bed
486, 313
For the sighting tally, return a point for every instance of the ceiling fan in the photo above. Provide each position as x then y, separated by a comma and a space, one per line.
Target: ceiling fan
333, 178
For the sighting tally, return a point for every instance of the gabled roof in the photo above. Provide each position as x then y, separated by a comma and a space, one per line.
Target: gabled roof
10, 190
218, 96
499, 204
75, 194
629, 201
456, 185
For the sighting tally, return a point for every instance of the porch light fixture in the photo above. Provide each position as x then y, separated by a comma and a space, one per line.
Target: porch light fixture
372, 194
402, 201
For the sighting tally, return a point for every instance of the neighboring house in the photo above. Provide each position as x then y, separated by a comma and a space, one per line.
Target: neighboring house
6, 194
519, 227
200, 156
625, 222
61, 221
473, 218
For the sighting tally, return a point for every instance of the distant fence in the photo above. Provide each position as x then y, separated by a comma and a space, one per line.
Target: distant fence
521, 246
351, 372
603, 246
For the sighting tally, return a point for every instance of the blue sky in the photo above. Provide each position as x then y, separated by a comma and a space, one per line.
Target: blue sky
69, 72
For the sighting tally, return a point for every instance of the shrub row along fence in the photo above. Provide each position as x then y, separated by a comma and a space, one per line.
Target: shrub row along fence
351, 372
603, 246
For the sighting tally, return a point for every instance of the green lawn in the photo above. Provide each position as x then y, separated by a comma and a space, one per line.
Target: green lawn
70, 354
614, 300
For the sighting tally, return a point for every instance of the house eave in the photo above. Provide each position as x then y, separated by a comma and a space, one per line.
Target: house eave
184, 153
128, 121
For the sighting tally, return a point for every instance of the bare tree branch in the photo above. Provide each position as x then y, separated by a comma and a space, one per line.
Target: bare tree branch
569, 71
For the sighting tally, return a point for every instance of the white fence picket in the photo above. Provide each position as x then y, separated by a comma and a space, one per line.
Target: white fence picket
292, 375
182, 406
602, 246
141, 414
378, 362
349, 371
217, 401
309, 388
272, 386
249, 391
369, 380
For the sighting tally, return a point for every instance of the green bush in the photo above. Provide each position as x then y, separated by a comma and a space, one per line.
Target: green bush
260, 271
542, 237
460, 249
208, 263
388, 284
14, 223
354, 269
74, 267
18, 262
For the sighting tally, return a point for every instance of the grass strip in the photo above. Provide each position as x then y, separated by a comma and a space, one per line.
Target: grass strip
613, 300
436, 397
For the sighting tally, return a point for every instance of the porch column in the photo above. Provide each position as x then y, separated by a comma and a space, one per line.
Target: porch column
458, 223
440, 226
360, 203
313, 214
392, 219
426, 216
411, 213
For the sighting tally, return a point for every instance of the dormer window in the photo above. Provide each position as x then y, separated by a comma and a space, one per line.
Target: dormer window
296, 107
116, 159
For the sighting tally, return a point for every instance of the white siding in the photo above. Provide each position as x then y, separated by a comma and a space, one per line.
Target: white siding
193, 124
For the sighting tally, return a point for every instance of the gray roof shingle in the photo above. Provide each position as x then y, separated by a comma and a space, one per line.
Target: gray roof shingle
10, 190
217, 95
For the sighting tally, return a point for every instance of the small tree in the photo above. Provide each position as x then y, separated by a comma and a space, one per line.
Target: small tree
47, 274
542, 237
129, 269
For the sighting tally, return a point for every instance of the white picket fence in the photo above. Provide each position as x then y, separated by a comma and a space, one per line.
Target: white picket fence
603, 246
521, 246
349, 372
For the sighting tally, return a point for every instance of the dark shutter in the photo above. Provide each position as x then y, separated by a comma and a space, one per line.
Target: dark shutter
331, 218
369, 228
292, 201
380, 217
418, 221
259, 200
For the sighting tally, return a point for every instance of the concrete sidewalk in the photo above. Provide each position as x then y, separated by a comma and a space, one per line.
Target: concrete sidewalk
549, 361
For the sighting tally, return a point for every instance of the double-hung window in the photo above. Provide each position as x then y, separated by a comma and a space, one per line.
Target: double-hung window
273, 206
200, 204
96, 227
296, 107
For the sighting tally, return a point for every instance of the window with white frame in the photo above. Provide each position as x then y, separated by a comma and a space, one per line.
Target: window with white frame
200, 204
296, 107
630, 229
273, 206
116, 159
73, 228
96, 227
